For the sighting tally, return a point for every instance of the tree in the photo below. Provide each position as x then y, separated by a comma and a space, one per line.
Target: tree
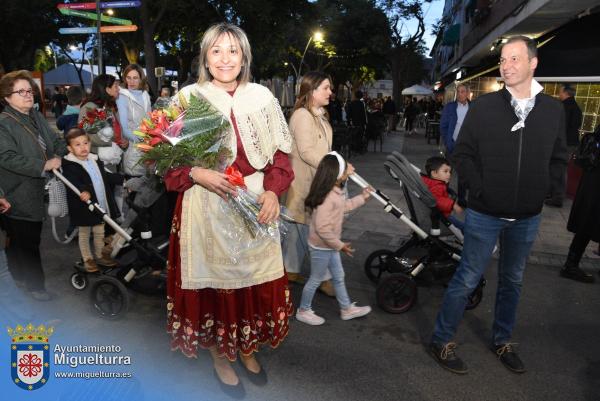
26, 27
360, 34
151, 13
406, 57
180, 31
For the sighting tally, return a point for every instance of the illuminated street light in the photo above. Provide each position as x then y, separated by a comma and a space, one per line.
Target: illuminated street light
317, 37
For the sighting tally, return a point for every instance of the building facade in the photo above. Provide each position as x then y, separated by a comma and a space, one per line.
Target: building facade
472, 32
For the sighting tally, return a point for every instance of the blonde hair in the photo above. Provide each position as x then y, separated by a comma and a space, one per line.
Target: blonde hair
209, 38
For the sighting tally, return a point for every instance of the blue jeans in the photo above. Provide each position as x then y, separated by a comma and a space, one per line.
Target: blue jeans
295, 248
457, 223
481, 233
321, 262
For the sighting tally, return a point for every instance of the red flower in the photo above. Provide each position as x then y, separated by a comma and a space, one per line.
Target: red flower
235, 177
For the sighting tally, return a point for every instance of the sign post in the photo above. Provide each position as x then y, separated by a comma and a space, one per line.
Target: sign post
103, 4
99, 36
72, 9
94, 16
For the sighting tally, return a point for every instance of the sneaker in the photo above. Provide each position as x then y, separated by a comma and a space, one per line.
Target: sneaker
107, 262
575, 273
509, 358
41, 295
309, 317
295, 278
90, 266
444, 355
354, 311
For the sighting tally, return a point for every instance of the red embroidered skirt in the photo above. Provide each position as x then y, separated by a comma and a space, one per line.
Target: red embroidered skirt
234, 321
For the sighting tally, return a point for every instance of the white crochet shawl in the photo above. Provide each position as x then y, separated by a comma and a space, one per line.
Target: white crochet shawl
260, 121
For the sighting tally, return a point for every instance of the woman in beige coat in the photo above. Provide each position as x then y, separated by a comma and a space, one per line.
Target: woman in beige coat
312, 135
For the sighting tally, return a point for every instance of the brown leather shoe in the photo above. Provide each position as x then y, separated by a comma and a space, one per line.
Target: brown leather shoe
106, 262
295, 278
90, 266
107, 251
326, 288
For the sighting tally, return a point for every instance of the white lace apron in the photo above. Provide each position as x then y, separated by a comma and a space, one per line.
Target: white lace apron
205, 260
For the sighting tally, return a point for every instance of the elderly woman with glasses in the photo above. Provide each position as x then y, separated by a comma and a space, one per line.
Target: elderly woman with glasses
28, 149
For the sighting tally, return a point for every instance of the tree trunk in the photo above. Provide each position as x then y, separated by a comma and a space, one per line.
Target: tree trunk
148, 29
149, 47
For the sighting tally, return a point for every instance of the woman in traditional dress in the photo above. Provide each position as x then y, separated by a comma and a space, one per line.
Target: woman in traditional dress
229, 305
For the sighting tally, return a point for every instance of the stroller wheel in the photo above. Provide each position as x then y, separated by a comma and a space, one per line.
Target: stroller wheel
396, 293
476, 296
109, 298
376, 264
79, 281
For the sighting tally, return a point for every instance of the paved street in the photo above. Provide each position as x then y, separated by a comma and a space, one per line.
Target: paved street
379, 357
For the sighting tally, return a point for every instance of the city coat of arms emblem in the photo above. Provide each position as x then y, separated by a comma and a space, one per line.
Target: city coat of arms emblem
30, 355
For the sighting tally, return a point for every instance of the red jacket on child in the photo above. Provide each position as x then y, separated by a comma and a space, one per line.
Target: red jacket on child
439, 189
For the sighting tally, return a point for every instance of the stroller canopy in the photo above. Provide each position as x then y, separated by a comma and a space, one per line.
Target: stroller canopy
399, 167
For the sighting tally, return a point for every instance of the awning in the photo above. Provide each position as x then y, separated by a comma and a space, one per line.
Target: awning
417, 90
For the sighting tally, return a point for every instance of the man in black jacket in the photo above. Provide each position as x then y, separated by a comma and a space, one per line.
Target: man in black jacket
506, 144
573, 119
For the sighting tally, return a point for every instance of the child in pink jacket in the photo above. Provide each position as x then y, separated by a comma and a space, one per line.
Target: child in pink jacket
328, 203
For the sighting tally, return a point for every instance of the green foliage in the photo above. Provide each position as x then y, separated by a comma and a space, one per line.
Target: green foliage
360, 33
42, 62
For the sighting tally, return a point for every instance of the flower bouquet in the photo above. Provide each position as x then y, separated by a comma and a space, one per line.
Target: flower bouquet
246, 205
174, 138
196, 136
101, 123
96, 121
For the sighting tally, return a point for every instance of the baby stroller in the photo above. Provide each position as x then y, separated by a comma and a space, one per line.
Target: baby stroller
398, 272
142, 260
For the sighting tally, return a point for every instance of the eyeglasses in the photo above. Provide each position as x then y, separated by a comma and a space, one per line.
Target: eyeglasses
23, 92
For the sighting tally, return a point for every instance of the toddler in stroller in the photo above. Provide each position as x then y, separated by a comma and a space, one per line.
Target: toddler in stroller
87, 173
141, 263
396, 293
437, 179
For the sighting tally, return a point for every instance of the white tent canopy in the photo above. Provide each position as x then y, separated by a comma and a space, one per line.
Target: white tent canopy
417, 90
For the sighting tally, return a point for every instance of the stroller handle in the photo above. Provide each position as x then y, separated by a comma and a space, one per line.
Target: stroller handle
388, 206
94, 206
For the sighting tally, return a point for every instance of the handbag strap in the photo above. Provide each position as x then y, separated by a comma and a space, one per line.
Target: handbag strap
35, 139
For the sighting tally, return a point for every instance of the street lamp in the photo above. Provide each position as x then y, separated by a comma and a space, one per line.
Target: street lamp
318, 38
285, 63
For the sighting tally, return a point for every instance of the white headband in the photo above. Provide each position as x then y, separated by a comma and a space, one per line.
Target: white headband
341, 162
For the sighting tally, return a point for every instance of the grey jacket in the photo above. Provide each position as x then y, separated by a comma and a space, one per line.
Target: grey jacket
22, 161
